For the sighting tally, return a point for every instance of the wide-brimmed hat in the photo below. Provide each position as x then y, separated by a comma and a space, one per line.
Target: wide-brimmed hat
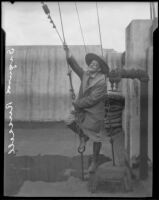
91, 56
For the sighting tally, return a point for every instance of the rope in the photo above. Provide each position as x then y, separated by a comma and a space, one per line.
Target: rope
81, 151
73, 94
99, 29
61, 23
111, 139
47, 12
81, 28
69, 70
100, 37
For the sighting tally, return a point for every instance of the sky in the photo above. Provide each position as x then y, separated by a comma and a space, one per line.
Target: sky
25, 23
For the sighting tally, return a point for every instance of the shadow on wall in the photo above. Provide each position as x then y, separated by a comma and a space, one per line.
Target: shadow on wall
47, 168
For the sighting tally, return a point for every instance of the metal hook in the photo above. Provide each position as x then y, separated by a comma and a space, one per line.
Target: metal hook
81, 150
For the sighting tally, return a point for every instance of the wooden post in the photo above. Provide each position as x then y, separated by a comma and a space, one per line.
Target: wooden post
143, 77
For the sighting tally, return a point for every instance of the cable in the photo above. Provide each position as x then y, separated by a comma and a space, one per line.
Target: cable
99, 29
72, 91
47, 12
81, 28
69, 70
61, 22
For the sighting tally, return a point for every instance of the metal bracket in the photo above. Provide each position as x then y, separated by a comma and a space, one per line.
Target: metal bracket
116, 75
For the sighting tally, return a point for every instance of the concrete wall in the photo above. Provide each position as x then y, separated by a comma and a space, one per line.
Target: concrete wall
40, 85
138, 40
131, 115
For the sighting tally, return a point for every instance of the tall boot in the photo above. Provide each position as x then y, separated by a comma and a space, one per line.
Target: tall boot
96, 151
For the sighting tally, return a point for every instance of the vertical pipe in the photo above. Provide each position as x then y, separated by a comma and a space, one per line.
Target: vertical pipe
150, 10
153, 9
144, 130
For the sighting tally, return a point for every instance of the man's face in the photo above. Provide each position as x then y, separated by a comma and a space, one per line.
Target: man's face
94, 67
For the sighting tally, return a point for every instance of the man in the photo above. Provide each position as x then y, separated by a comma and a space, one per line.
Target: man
88, 117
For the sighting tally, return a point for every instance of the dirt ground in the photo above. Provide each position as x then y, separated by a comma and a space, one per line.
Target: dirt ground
47, 163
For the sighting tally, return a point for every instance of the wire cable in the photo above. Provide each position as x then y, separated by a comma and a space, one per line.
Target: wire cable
80, 28
61, 22
99, 29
